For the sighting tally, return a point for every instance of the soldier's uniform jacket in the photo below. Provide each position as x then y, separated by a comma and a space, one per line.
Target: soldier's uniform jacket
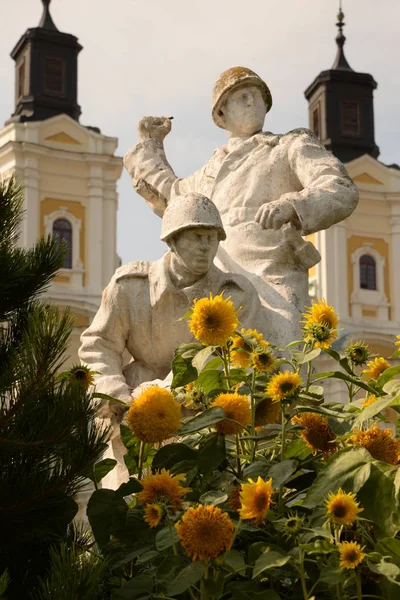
266, 167
139, 312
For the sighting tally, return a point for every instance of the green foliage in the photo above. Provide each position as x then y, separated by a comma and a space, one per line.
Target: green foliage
48, 439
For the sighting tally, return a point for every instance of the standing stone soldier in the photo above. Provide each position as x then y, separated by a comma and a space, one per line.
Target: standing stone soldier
270, 190
142, 304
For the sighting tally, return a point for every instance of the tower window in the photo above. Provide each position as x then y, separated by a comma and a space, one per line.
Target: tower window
62, 230
350, 118
21, 79
54, 80
367, 272
315, 122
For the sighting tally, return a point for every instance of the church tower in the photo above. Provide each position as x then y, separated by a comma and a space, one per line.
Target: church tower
358, 273
69, 170
341, 106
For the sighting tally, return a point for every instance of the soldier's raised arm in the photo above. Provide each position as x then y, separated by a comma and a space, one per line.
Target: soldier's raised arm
152, 175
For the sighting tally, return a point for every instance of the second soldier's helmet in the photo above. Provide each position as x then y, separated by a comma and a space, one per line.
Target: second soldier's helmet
189, 212
232, 79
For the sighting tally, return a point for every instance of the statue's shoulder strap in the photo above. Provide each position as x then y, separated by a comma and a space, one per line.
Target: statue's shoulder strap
137, 268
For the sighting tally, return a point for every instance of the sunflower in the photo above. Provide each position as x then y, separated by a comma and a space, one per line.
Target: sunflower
153, 514
205, 532
256, 500
213, 320
369, 400
351, 555
163, 488
80, 375
358, 353
320, 324
262, 360
293, 525
236, 407
379, 443
398, 340
195, 397
283, 385
342, 507
234, 498
267, 412
243, 346
317, 433
155, 415
376, 368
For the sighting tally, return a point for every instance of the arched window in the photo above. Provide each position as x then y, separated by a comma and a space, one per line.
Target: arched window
62, 229
367, 272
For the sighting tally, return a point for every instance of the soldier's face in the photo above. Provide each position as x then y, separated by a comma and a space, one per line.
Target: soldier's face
197, 248
244, 111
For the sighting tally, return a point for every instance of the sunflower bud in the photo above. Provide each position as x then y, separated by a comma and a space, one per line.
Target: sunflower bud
358, 353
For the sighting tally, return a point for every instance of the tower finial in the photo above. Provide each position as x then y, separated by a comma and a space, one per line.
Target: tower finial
46, 22
340, 60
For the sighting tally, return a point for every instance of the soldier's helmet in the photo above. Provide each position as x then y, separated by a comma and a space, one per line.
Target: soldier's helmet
190, 212
230, 80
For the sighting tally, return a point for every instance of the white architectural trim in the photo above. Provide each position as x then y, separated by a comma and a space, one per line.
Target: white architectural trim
369, 298
77, 267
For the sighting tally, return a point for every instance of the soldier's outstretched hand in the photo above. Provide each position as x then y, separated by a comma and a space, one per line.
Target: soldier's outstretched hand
154, 128
272, 215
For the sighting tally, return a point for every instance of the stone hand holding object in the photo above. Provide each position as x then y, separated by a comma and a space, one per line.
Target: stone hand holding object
154, 128
272, 215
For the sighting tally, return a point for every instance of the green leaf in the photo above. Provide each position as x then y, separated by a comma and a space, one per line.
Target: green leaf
212, 453
344, 377
183, 371
375, 408
297, 449
211, 379
213, 497
332, 575
170, 454
281, 472
147, 557
318, 547
202, 420
234, 560
138, 588
127, 437
322, 410
389, 547
387, 569
387, 375
269, 560
101, 469
132, 486
188, 350
348, 469
256, 469
186, 577
165, 540
304, 357
201, 357
249, 590
377, 497
109, 399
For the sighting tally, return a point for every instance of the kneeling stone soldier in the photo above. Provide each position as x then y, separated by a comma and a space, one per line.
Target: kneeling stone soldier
142, 304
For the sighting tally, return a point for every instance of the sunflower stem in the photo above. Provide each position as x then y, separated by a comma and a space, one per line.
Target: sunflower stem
172, 537
339, 591
140, 465
358, 583
253, 414
225, 358
302, 575
96, 487
203, 587
239, 466
309, 370
283, 439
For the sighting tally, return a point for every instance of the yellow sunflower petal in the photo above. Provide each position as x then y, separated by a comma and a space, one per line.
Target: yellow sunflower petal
380, 443
205, 532
256, 500
153, 514
283, 385
163, 488
375, 368
317, 434
342, 507
155, 415
351, 555
213, 320
236, 407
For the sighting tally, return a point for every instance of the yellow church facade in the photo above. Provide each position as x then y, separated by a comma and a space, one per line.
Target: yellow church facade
70, 176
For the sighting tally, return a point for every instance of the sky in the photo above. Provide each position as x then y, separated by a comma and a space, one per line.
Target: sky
162, 57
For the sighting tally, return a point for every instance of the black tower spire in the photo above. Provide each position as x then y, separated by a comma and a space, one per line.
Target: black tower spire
341, 106
46, 72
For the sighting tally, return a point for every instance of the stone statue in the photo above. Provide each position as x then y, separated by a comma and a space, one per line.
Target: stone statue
142, 304
270, 190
